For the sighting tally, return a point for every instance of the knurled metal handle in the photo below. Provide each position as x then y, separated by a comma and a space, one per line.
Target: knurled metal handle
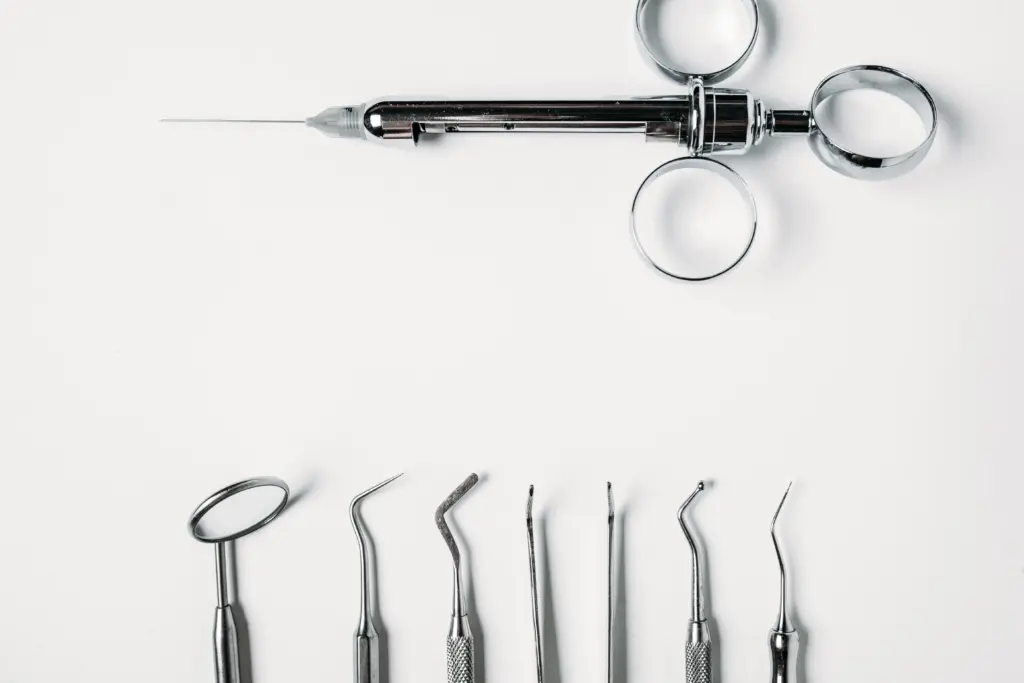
698, 662
460, 660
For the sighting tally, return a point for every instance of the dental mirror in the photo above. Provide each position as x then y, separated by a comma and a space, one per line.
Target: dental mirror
227, 515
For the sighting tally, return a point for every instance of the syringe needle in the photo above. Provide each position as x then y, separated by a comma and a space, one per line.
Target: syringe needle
335, 122
230, 121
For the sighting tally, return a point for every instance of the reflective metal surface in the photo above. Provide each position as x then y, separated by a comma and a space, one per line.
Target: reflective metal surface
783, 641
225, 631
611, 585
259, 517
882, 78
225, 646
704, 164
698, 643
703, 120
366, 643
659, 118
461, 654
535, 601
650, 48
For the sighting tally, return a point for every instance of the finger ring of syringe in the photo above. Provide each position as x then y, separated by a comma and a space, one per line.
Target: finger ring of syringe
655, 52
701, 164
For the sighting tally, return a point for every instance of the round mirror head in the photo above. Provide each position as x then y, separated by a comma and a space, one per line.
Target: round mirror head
239, 509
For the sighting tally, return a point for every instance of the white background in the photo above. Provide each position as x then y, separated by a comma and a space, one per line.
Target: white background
182, 307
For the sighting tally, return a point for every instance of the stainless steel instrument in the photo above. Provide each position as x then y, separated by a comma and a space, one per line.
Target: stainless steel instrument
532, 558
538, 647
227, 515
365, 642
611, 585
698, 643
703, 120
783, 641
461, 655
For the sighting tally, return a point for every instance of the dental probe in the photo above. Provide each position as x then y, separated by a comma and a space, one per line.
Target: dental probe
783, 641
366, 644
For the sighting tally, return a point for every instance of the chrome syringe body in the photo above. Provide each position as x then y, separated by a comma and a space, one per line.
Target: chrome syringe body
704, 120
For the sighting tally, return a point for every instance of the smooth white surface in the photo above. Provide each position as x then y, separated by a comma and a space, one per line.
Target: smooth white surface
184, 307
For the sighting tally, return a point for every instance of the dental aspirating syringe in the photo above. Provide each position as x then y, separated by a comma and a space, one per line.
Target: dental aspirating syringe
703, 119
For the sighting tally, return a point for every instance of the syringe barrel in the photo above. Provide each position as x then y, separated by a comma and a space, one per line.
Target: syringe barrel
732, 120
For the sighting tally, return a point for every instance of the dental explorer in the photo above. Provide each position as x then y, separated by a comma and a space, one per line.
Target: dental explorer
698, 643
783, 641
538, 652
461, 659
365, 642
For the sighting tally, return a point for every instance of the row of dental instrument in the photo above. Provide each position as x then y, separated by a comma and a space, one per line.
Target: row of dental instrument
210, 527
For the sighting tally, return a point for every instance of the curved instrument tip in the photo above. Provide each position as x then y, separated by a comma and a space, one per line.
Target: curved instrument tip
783, 625
779, 509
375, 487
359, 497
445, 506
361, 539
356, 527
461, 490
529, 506
696, 590
682, 508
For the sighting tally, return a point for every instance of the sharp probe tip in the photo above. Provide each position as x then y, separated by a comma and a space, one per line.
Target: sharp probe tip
375, 487
781, 503
783, 625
